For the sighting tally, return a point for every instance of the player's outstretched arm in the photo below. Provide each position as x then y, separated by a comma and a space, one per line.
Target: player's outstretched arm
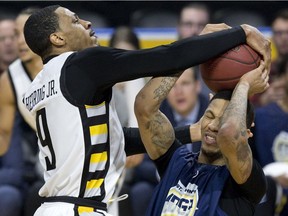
155, 129
233, 134
7, 112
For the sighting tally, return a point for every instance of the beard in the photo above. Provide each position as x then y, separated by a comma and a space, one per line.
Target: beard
212, 156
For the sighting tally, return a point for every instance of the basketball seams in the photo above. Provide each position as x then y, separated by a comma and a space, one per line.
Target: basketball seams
251, 54
216, 72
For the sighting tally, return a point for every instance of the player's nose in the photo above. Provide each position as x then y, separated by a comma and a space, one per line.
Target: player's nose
86, 24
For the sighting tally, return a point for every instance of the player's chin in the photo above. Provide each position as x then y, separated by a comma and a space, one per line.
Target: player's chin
94, 41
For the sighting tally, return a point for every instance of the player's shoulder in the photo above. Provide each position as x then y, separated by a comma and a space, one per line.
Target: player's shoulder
4, 80
6, 88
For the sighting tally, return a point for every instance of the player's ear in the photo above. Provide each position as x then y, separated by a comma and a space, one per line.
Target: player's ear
57, 39
250, 134
210, 96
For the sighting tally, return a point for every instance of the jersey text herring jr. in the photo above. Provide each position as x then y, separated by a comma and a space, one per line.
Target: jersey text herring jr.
38, 95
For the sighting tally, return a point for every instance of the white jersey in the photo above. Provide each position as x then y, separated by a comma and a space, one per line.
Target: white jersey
21, 81
81, 147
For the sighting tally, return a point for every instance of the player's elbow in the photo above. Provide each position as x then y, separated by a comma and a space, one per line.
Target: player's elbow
142, 107
228, 132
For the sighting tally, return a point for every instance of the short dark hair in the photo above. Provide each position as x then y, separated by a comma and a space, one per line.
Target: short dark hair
38, 28
29, 10
126, 34
226, 95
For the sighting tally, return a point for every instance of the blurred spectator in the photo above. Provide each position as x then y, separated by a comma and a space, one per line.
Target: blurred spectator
32, 64
11, 177
124, 38
14, 83
193, 18
270, 140
8, 44
185, 104
280, 33
139, 173
280, 38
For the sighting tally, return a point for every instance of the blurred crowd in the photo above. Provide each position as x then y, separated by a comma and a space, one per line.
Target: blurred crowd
20, 175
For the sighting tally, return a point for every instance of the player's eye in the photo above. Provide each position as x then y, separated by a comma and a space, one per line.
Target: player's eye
209, 115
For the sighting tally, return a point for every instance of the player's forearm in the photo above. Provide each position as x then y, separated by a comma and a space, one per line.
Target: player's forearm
110, 66
156, 131
156, 90
232, 135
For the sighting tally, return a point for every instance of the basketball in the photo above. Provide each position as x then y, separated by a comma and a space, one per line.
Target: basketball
224, 71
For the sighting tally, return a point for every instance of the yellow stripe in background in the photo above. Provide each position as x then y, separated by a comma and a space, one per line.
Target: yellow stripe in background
98, 157
94, 183
98, 129
84, 209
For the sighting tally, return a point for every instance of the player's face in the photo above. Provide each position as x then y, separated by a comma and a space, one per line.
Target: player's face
25, 53
210, 126
77, 32
184, 94
8, 44
280, 35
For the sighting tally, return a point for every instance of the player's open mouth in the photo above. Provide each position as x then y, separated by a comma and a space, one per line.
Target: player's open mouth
210, 139
92, 34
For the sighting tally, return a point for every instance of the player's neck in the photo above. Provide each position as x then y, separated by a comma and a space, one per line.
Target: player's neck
34, 67
209, 160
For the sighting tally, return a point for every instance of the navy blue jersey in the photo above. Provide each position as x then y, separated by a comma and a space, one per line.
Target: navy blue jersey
193, 189
189, 188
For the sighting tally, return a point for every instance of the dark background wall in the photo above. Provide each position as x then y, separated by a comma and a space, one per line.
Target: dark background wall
120, 12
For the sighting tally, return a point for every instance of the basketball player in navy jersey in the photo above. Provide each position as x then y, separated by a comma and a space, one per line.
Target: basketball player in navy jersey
80, 137
224, 179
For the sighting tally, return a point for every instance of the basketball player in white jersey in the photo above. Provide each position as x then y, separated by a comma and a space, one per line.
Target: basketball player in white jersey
80, 137
15, 81
13, 84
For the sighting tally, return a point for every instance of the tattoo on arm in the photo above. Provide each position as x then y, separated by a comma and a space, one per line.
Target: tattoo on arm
161, 130
165, 86
236, 111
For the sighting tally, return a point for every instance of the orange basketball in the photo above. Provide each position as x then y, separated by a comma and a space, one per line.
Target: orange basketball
224, 72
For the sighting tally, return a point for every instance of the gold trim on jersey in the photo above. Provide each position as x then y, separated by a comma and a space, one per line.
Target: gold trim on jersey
96, 110
95, 120
84, 209
98, 133
93, 186
98, 161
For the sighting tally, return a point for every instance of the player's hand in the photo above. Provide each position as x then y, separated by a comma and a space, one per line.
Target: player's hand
195, 131
209, 28
256, 40
134, 160
257, 79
